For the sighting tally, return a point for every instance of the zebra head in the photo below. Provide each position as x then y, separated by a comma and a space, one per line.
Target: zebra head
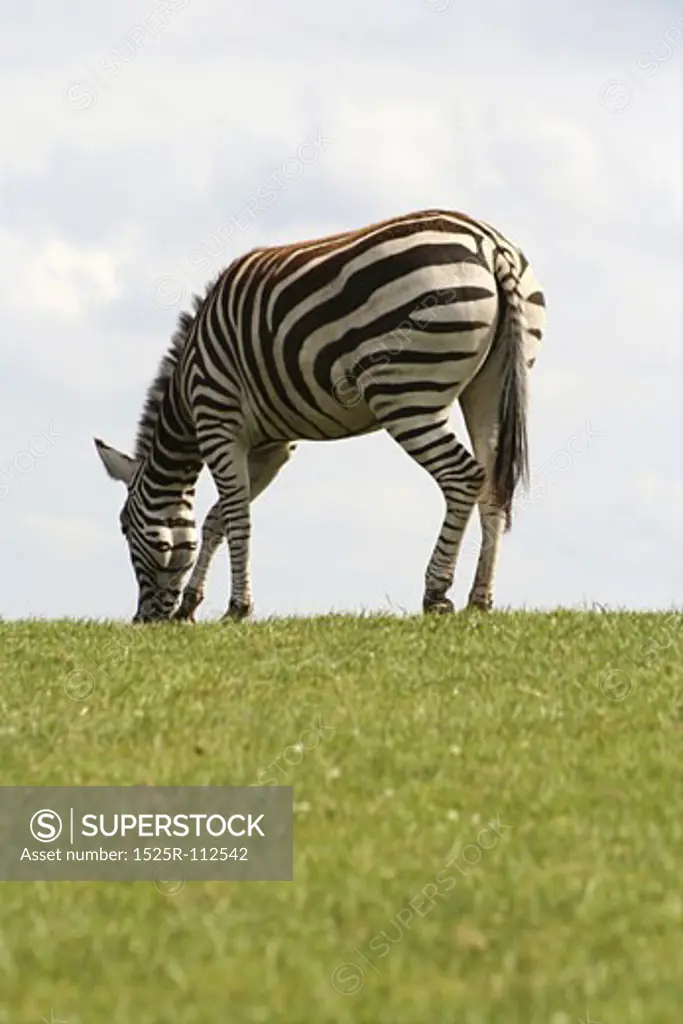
162, 539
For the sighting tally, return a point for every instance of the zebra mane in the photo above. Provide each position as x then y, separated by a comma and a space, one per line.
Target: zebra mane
157, 389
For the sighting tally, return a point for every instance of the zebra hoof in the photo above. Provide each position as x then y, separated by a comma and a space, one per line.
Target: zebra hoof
183, 615
188, 606
237, 611
437, 606
189, 617
480, 604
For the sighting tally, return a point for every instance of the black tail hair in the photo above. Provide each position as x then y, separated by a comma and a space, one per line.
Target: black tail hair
512, 457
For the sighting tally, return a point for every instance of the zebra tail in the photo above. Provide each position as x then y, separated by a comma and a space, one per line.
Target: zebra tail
511, 466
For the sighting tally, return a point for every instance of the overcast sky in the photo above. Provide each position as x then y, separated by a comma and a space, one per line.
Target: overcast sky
136, 138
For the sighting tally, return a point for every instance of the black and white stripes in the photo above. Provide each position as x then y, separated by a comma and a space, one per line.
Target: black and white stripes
384, 327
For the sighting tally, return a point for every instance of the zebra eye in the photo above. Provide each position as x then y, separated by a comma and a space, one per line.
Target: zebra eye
163, 545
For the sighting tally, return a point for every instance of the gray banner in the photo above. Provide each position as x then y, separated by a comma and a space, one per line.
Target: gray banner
146, 833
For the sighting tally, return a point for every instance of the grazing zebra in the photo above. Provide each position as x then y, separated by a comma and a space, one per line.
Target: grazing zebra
382, 327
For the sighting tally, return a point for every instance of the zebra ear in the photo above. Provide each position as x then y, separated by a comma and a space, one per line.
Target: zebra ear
118, 466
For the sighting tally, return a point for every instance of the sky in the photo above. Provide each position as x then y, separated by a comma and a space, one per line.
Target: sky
139, 141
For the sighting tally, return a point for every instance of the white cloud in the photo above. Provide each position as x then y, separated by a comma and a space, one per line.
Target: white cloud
56, 277
665, 493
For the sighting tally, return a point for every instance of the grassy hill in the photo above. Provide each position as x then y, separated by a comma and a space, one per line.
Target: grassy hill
488, 819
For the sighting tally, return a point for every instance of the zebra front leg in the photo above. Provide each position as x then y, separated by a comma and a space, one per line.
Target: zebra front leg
213, 534
228, 463
431, 443
265, 462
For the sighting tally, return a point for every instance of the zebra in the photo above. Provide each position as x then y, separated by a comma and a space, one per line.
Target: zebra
382, 327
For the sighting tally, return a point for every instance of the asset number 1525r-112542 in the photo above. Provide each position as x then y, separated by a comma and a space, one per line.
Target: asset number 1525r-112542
196, 853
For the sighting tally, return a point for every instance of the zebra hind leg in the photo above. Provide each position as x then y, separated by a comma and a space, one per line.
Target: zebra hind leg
433, 445
479, 404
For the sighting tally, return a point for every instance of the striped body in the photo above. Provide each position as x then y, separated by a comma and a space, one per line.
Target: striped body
384, 327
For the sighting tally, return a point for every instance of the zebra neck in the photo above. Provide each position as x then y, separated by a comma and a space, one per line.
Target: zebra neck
173, 462
169, 473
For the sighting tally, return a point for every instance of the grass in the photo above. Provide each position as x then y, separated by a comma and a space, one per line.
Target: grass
516, 776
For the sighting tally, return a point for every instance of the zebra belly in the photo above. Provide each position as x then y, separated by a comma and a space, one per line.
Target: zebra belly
340, 421
417, 339
342, 409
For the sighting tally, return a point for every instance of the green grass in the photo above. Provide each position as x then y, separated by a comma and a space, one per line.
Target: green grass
563, 730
